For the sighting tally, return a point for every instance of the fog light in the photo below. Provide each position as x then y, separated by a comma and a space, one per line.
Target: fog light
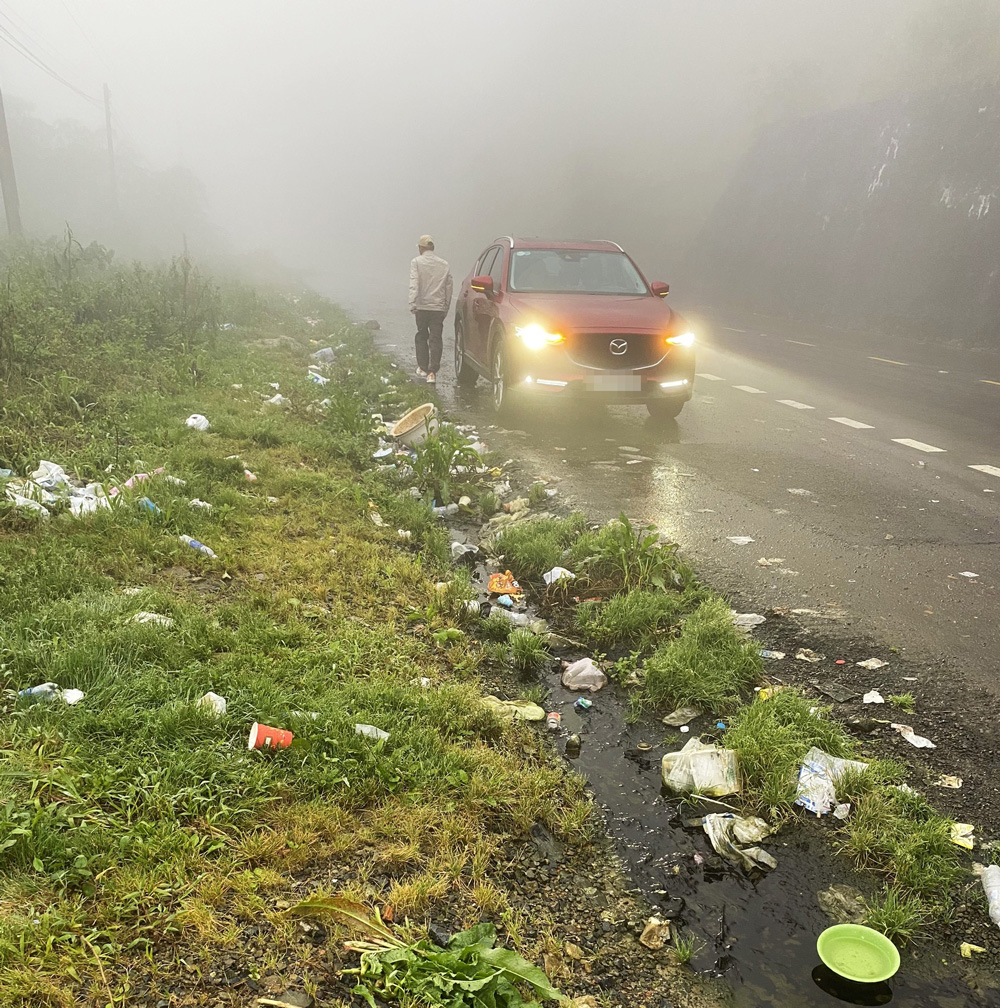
673, 384
545, 381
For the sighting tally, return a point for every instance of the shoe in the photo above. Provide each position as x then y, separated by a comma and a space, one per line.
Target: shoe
421, 372
432, 379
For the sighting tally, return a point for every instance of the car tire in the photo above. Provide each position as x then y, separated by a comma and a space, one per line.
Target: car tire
465, 373
664, 409
502, 396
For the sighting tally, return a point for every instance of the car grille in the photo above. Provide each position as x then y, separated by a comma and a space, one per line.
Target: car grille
593, 350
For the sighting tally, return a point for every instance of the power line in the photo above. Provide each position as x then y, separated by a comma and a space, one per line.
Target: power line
18, 46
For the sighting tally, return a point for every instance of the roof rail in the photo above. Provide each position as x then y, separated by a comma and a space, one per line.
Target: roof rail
610, 242
505, 238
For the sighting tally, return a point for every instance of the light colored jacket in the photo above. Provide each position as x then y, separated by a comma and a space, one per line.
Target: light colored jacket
430, 283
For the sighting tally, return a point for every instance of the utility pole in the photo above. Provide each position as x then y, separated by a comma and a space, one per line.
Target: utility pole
8, 182
112, 175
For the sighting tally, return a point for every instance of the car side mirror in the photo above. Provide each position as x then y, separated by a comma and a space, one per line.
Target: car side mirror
482, 283
660, 289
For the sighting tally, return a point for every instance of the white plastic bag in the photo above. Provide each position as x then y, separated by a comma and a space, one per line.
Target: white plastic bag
726, 830
584, 675
197, 422
701, 768
557, 574
370, 731
49, 476
818, 777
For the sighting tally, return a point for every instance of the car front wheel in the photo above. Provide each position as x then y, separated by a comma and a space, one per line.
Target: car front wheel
664, 409
500, 377
464, 371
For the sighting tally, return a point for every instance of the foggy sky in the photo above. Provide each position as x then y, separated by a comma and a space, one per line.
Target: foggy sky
331, 133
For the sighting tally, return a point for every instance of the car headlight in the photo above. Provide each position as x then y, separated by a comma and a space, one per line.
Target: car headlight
534, 337
685, 339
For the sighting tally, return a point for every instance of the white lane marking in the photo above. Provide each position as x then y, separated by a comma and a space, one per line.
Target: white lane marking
750, 388
885, 360
988, 469
799, 342
987, 381
794, 404
708, 377
731, 329
848, 422
919, 445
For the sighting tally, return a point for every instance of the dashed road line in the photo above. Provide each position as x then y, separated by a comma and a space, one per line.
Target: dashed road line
919, 445
848, 422
799, 342
731, 329
986, 381
988, 469
885, 360
750, 388
708, 377
794, 404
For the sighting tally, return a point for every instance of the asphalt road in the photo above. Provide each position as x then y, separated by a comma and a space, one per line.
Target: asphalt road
850, 460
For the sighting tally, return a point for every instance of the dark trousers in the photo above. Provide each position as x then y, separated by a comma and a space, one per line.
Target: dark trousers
430, 325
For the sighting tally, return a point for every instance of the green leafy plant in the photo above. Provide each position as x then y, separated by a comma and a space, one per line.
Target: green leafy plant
527, 651
438, 456
469, 972
904, 701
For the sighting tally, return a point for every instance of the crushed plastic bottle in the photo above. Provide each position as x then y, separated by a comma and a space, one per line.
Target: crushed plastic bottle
991, 885
199, 546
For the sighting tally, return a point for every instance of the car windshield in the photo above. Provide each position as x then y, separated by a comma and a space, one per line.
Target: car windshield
574, 271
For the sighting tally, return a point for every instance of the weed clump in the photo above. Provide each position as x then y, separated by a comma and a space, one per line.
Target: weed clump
709, 664
532, 547
637, 617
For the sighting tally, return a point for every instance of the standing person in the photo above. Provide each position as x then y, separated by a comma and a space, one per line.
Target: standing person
430, 299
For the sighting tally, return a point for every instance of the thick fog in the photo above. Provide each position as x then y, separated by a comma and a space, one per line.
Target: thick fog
330, 134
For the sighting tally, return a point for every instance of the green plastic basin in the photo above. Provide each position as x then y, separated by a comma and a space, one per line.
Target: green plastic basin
858, 953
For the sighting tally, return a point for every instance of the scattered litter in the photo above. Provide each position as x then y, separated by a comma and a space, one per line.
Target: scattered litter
323, 356
404, 535
197, 422
461, 550
583, 675
681, 716
473, 607
770, 562
383, 452
132, 591
725, 830
370, 731
967, 948
506, 601
872, 664
818, 776
317, 378
503, 584
263, 736
745, 621
277, 400
740, 540
553, 720
836, 691
655, 934
517, 505
582, 703
948, 781
628, 448
249, 476
376, 519
214, 702
701, 768
195, 545
446, 509
152, 617
805, 654
991, 885
414, 428
873, 696
773, 655
196, 503
915, 740
557, 574
844, 903
51, 691
799, 492
842, 811
961, 835
573, 745
519, 710
465, 501
968, 574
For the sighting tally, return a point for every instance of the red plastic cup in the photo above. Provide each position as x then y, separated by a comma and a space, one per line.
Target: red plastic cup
264, 737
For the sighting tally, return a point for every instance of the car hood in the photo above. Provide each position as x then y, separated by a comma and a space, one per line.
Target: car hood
595, 312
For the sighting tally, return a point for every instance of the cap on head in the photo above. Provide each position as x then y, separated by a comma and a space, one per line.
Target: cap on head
425, 241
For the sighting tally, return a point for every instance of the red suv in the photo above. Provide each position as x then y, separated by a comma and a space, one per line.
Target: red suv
558, 318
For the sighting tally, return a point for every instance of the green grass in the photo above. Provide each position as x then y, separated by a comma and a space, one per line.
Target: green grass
709, 664
637, 617
536, 545
136, 829
904, 701
771, 737
527, 651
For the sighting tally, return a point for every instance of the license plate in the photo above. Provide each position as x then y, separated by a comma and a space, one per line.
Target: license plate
615, 383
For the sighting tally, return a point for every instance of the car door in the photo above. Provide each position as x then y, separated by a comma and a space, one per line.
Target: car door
482, 311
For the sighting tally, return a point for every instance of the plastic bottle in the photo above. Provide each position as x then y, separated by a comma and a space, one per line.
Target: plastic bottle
573, 747
146, 504
991, 884
194, 544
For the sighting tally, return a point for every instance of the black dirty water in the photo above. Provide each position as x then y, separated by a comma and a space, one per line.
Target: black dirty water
758, 934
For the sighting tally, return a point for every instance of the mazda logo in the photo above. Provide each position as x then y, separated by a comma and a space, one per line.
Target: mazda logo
619, 346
